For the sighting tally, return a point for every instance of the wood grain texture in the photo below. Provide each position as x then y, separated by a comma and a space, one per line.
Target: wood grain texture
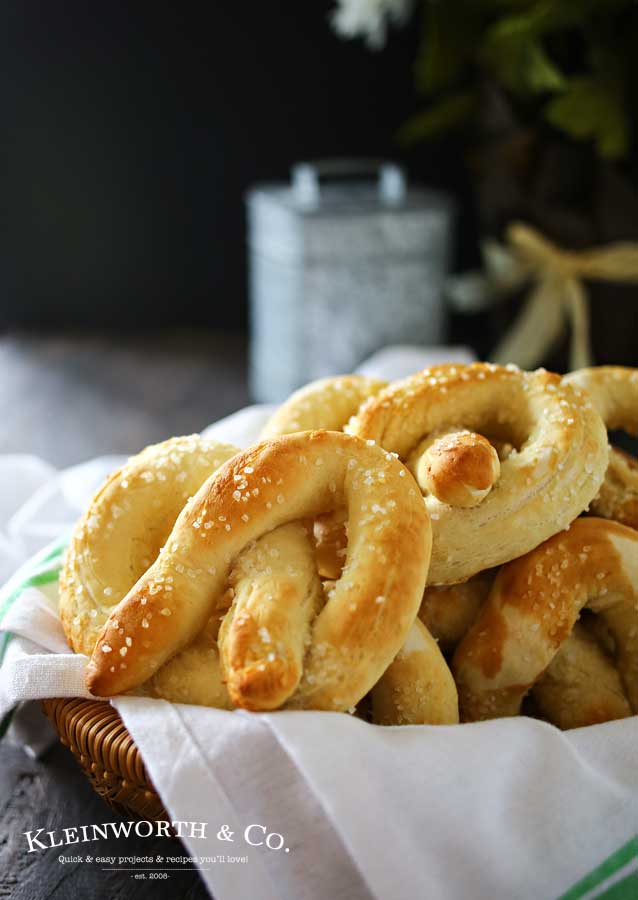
67, 399
51, 793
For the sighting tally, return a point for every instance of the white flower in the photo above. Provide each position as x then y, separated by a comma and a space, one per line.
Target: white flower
369, 19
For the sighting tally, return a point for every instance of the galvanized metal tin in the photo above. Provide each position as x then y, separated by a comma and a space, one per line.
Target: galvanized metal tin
341, 269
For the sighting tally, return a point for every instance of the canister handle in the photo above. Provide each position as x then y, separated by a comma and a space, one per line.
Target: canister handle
307, 178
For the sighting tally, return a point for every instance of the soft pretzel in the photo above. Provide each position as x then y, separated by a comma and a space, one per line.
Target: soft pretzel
194, 675
532, 608
614, 392
581, 686
124, 528
328, 403
448, 611
358, 632
418, 687
618, 495
550, 477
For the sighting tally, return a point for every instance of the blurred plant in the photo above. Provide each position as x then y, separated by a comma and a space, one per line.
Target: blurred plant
568, 63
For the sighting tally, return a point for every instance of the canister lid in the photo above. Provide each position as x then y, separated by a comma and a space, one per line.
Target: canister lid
335, 208
346, 187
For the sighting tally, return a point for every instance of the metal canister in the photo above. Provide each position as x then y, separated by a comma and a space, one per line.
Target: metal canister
343, 261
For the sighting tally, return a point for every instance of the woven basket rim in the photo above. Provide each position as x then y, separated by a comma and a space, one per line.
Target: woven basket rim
96, 735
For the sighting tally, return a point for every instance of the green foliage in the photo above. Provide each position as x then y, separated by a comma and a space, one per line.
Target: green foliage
522, 66
592, 108
570, 63
442, 115
448, 44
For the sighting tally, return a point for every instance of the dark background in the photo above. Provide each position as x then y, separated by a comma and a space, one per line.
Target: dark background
131, 133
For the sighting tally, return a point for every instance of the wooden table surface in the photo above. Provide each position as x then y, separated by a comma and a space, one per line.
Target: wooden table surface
68, 399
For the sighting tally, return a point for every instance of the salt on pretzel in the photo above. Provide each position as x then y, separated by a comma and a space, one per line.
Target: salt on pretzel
581, 685
614, 393
418, 687
459, 468
532, 608
358, 632
194, 675
278, 569
277, 594
125, 526
328, 404
556, 468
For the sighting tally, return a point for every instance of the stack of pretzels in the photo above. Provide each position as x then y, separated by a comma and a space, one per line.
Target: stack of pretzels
455, 546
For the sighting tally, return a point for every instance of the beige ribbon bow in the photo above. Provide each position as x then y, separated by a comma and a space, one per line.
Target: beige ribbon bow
558, 298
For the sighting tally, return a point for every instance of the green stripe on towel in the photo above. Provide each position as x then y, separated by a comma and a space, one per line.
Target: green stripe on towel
35, 580
43, 569
610, 866
625, 889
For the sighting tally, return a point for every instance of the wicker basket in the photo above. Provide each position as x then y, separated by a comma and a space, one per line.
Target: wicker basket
95, 734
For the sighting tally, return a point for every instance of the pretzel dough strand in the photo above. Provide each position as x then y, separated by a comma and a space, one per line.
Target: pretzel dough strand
581, 686
328, 404
533, 606
614, 392
124, 528
264, 635
417, 688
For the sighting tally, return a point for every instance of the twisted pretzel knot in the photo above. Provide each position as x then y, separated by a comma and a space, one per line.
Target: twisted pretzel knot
533, 606
553, 472
326, 404
354, 637
614, 393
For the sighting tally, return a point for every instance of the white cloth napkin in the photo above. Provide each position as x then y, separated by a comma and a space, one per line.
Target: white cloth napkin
505, 809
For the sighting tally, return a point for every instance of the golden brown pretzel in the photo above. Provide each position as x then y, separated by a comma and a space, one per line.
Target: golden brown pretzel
614, 391
277, 594
581, 686
448, 611
532, 608
331, 543
124, 528
355, 636
544, 484
417, 688
328, 403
